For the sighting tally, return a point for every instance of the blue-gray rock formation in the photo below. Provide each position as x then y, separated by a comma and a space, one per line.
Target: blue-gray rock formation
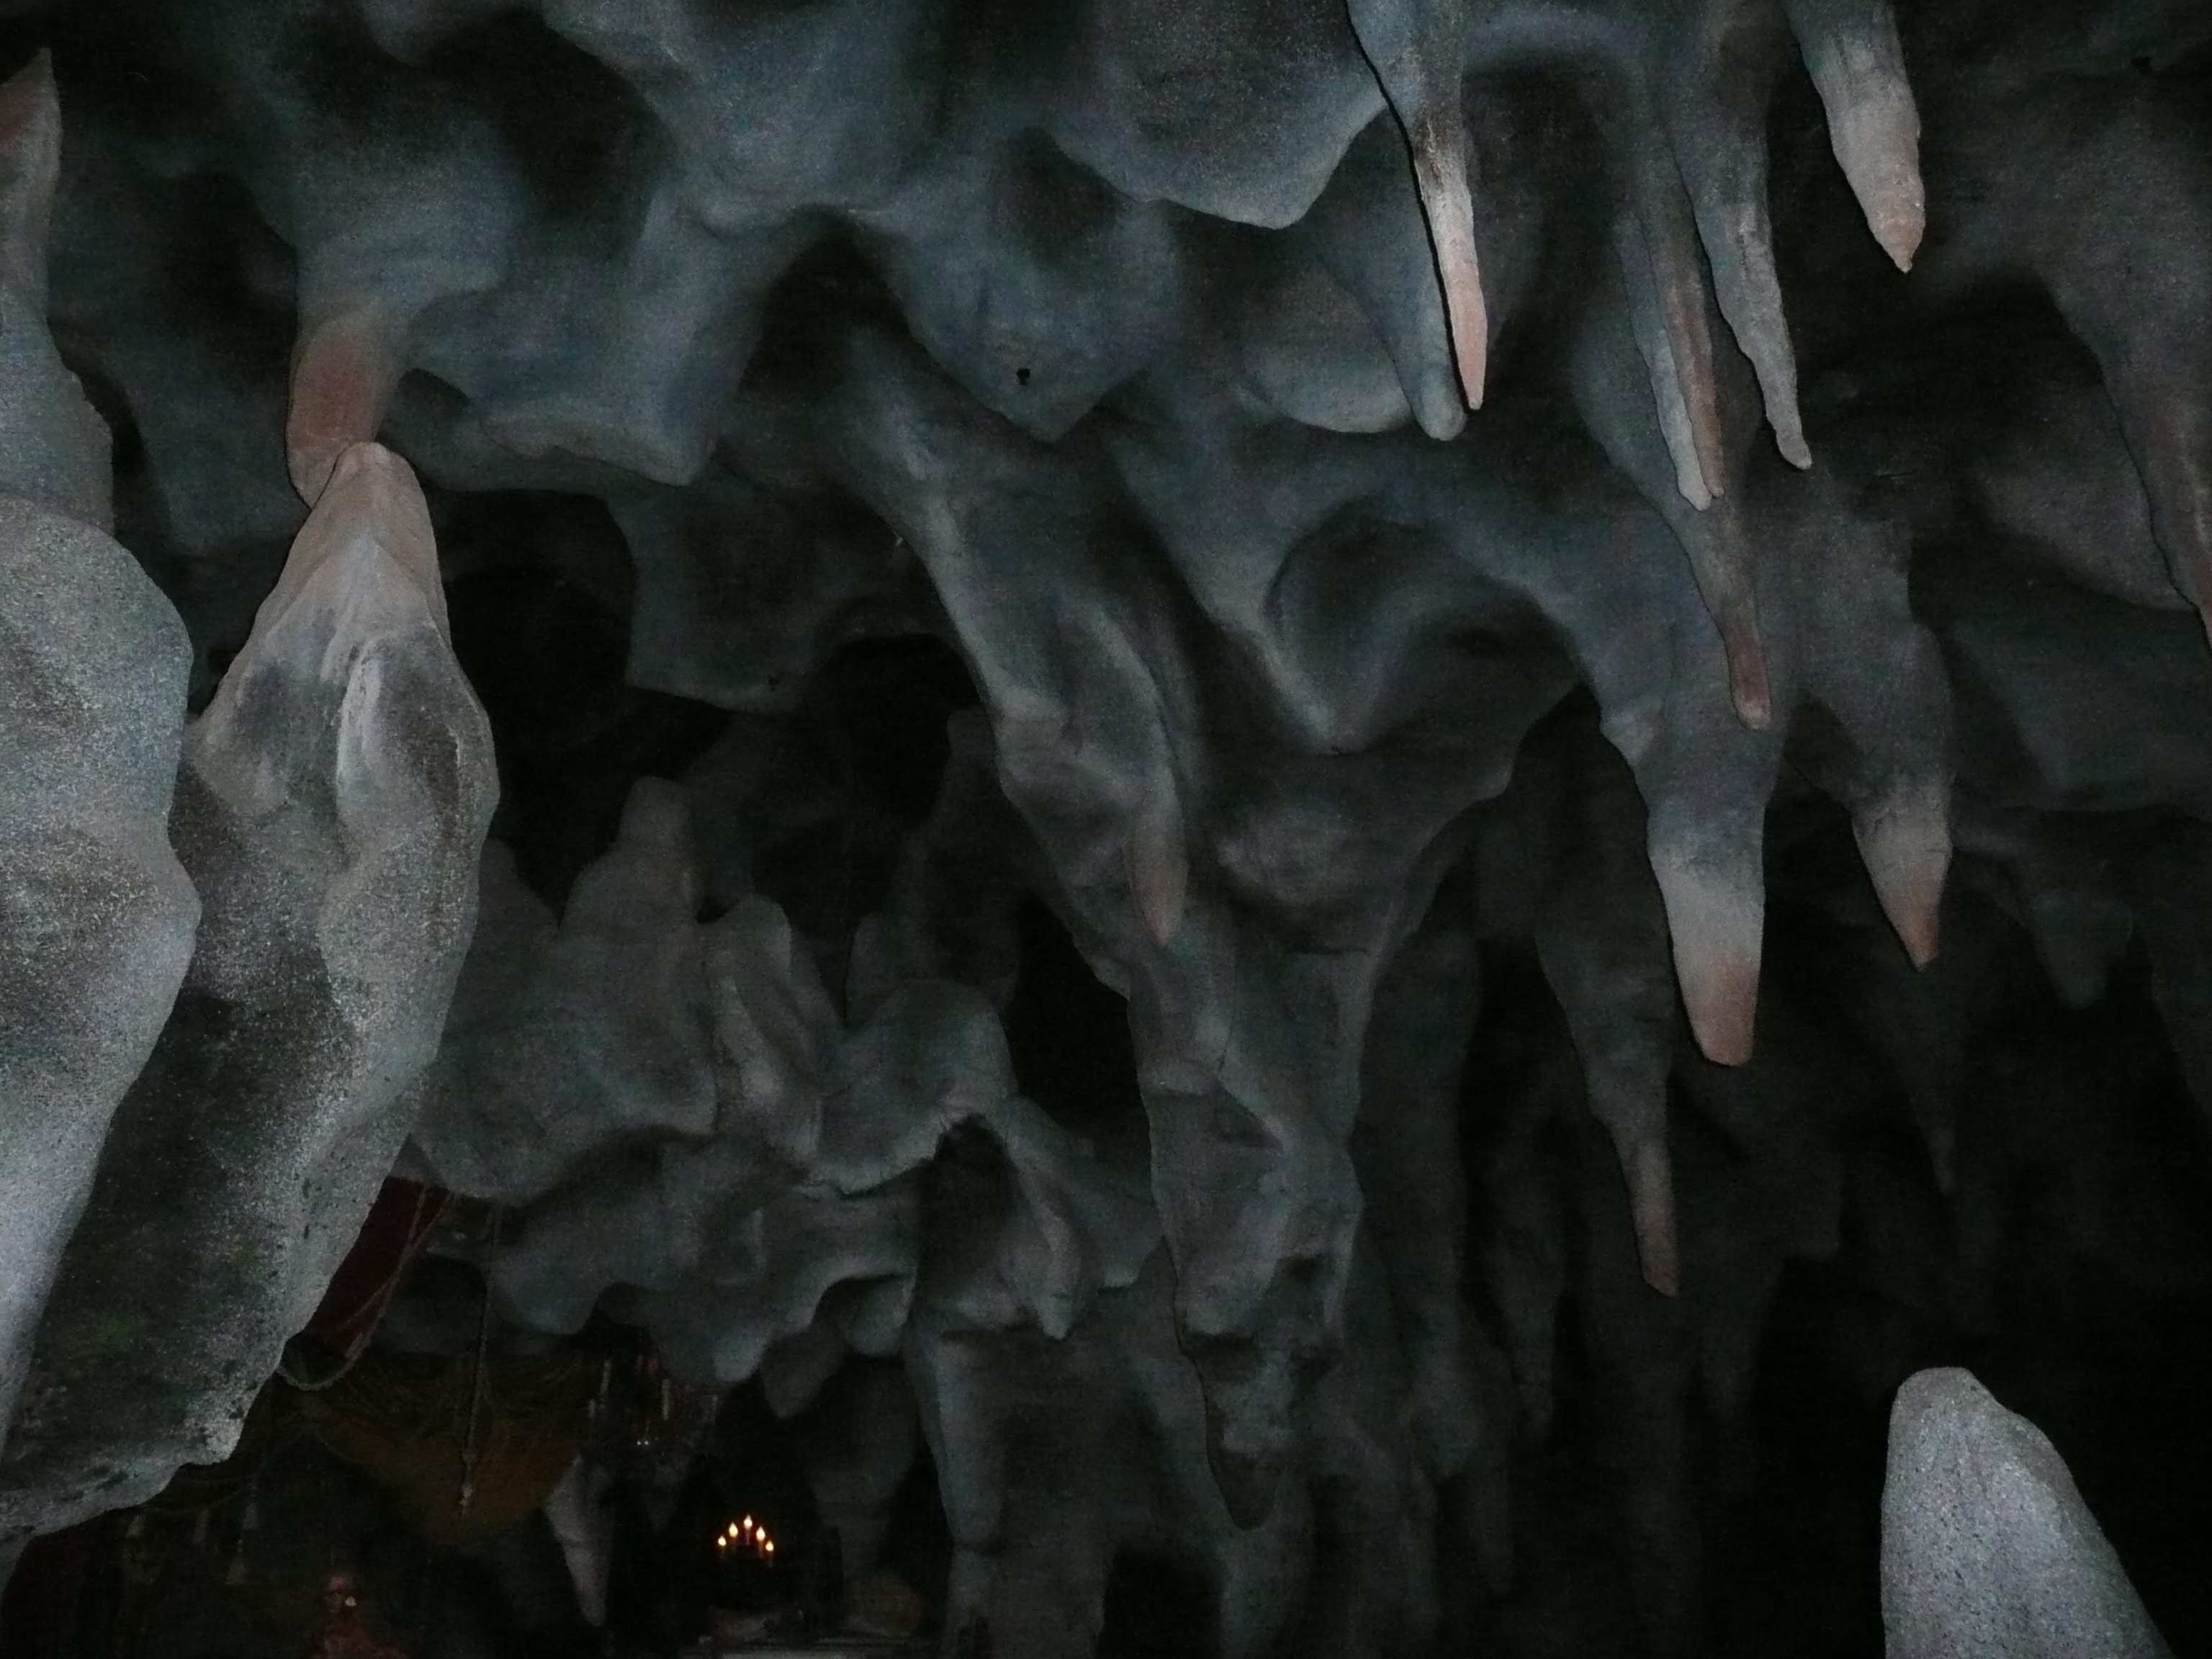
1262, 767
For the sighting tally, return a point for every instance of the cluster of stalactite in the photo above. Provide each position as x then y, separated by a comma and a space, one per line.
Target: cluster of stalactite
1689, 521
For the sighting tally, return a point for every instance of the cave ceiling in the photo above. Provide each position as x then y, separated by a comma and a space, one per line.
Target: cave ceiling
1281, 741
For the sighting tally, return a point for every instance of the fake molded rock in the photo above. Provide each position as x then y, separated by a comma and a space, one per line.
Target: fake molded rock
331, 808
1987, 1550
96, 915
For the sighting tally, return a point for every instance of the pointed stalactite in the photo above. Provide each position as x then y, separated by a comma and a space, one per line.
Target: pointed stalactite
1625, 1071
1905, 843
1675, 274
1658, 246
1717, 540
1251, 1392
1638, 417
1871, 682
2101, 188
1407, 1153
2081, 925
1526, 1276
1368, 231
1440, 172
1601, 939
1723, 561
1650, 1172
1723, 165
1413, 46
1625, 1045
1857, 64
1658, 354
1158, 868
1716, 918
344, 370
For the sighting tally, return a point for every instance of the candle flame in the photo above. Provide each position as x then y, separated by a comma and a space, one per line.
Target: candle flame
746, 1531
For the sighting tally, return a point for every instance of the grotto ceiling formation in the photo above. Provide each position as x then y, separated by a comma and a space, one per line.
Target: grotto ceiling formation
1282, 750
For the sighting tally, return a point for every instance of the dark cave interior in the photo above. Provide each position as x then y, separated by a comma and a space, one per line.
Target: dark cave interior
1111, 830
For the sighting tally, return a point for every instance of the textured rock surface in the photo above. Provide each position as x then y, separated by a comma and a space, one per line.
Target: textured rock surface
330, 805
98, 914
1269, 766
1986, 1546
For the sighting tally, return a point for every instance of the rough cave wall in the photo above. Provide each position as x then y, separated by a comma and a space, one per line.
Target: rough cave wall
1696, 512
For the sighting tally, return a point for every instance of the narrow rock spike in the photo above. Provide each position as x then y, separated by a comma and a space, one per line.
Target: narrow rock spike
1726, 567
1657, 246
1725, 173
1857, 64
1716, 920
1440, 172
1907, 847
1750, 689
374, 501
1650, 1173
1414, 47
1159, 869
343, 374
1666, 389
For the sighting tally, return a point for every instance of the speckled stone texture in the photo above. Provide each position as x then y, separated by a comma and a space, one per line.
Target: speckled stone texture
332, 809
1987, 1550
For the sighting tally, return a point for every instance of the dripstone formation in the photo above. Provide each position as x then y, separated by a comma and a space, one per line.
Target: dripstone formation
1342, 792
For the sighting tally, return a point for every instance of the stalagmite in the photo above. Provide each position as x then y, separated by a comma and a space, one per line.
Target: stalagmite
1986, 1546
99, 916
331, 808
